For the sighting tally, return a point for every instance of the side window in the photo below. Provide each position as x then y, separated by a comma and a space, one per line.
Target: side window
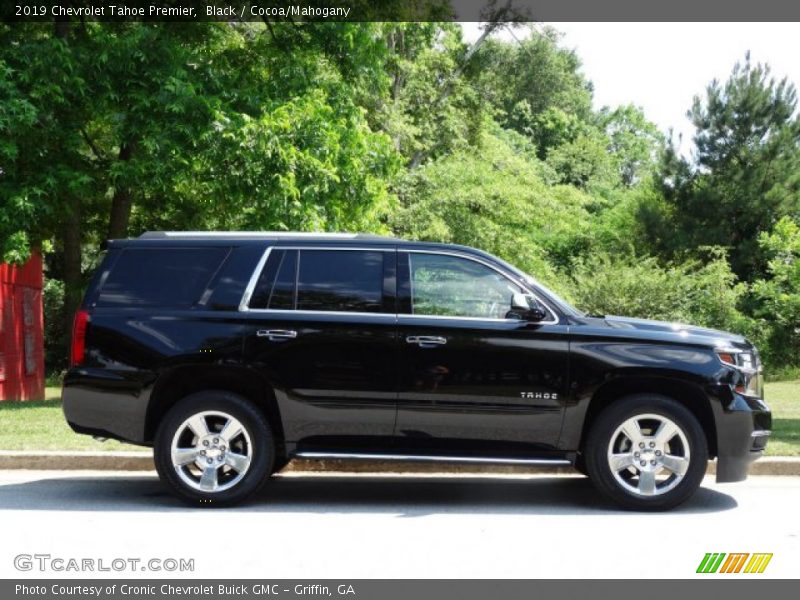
340, 280
160, 276
450, 286
276, 285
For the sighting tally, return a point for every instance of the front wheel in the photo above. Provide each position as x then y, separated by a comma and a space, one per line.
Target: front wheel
214, 448
646, 452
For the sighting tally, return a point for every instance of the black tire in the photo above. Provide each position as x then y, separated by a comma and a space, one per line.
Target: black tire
261, 448
600, 437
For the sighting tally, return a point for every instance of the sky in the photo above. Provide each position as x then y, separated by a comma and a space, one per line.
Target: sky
662, 66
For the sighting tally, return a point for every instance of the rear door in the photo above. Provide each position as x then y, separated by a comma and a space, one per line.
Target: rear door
471, 379
322, 331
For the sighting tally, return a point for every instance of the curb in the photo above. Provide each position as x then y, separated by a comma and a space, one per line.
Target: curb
55, 460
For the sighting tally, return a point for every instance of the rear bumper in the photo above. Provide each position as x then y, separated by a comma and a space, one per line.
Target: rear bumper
743, 426
98, 403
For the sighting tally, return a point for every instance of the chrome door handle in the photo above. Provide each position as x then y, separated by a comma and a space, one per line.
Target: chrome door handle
426, 341
275, 335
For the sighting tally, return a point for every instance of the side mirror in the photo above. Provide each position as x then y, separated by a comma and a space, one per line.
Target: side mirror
526, 308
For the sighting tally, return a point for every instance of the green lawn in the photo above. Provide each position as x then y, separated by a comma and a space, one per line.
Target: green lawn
41, 425
783, 397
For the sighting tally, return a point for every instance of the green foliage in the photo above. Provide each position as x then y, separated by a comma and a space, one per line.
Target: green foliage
526, 79
430, 110
779, 295
55, 334
703, 294
634, 142
493, 197
746, 171
585, 162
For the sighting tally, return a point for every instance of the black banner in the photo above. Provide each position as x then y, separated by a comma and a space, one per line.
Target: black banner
188, 11
387, 589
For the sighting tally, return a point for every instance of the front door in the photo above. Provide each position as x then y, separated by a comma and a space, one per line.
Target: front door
322, 331
470, 378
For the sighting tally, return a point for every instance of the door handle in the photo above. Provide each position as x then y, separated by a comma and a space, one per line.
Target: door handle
426, 341
276, 335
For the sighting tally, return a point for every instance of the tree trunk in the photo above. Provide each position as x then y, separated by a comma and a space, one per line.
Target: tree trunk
71, 232
73, 281
122, 202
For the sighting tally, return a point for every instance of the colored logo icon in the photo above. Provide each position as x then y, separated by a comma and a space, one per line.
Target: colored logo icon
737, 562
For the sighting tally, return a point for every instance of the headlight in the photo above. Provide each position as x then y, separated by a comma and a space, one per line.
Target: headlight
749, 382
740, 360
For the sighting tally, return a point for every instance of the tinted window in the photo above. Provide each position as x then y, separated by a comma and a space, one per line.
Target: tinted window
160, 276
340, 280
276, 285
451, 286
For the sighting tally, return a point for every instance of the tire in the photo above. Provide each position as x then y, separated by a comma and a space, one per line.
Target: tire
659, 447
241, 462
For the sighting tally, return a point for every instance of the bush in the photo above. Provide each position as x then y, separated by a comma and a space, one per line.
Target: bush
778, 298
704, 294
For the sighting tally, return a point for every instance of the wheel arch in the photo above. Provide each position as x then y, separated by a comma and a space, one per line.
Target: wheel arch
179, 382
686, 393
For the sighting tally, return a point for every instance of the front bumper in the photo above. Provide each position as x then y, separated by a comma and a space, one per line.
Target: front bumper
743, 426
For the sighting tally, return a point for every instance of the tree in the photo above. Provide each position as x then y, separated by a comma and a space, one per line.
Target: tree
634, 142
524, 79
585, 162
431, 110
493, 196
743, 176
112, 128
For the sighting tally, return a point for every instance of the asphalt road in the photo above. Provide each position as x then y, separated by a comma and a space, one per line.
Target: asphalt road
395, 526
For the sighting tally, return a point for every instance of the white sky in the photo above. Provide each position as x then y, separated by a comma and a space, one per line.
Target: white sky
662, 66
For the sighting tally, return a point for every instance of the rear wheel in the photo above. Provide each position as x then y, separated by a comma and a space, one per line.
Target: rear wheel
646, 452
214, 448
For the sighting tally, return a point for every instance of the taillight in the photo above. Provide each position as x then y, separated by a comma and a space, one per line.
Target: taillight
78, 347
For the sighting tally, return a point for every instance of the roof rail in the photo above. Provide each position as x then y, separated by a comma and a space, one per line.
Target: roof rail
150, 235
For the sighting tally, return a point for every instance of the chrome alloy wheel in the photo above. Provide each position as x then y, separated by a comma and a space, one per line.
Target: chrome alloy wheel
648, 455
211, 451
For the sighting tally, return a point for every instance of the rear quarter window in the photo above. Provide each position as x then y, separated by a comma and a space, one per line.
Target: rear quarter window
160, 276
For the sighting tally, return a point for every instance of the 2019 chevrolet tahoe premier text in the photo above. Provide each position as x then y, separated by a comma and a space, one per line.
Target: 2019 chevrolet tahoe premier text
231, 353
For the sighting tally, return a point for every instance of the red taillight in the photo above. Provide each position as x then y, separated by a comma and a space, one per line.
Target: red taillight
78, 347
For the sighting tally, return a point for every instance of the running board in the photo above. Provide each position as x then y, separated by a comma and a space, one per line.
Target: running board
428, 458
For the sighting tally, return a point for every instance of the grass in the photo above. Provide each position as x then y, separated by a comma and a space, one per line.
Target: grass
783, 398
41, 425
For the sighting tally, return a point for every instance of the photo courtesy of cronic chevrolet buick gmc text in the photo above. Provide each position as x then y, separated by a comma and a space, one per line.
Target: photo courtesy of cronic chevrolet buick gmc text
232, 353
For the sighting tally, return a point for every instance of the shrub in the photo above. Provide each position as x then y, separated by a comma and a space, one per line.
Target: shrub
778, 298
704, 294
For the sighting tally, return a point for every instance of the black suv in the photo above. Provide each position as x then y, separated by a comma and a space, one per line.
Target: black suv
231, 353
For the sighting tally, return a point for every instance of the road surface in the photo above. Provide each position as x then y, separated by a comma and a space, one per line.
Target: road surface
364, 526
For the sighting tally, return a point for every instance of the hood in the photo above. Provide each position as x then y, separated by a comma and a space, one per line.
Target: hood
681, 331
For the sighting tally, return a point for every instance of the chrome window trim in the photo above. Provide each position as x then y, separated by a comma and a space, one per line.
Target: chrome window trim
289, 312
251, 285
553, 321
245, 301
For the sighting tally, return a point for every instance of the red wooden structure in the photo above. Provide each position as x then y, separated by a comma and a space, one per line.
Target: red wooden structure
21, 331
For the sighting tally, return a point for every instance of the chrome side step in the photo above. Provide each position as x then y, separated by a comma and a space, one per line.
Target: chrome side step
429, 458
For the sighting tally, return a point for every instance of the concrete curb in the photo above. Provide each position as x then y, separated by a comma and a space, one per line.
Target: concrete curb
143, 461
